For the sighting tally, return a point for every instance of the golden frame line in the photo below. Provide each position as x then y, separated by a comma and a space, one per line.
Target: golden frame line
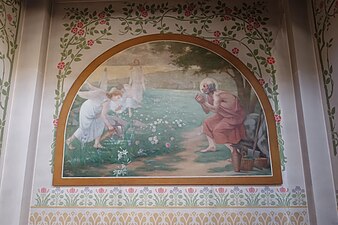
274, 179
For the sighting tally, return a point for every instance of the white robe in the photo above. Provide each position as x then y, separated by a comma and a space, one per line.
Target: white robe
91, 122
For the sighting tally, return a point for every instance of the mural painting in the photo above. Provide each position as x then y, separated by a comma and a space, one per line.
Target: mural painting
167, 111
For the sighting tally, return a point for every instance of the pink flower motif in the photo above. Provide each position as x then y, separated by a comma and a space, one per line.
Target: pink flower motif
80, 32
278, 118
161, 190
249, 27
191, 190
61, 65
144, 13
72, 190
270, 60
74, 30
9, 17
251, 19
227, 18
141, 8
101, 190
90, 42
131, 190
256, 24
221, 190
282, 190
79, 24
261, 81
43, 190
102, 15
217, 42
235, 51
191, 7
217, 33
252, 190
103, 22
227, 10
187, 13
167, 145
55, 122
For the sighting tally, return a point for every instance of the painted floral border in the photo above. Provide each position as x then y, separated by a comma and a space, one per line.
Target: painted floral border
243, 32
205, 217
10, 13
170, 197
324, 12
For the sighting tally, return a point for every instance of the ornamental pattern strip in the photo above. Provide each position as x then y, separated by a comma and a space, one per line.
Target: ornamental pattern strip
235, 217
170, 197
10, 12
324, 12
242, 30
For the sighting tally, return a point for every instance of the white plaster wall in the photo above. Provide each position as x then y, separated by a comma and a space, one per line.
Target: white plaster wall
28, 161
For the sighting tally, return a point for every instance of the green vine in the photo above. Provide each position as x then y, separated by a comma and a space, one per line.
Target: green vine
243, 26
10, 12
323, 13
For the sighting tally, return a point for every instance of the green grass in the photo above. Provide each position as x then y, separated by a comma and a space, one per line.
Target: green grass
166, 114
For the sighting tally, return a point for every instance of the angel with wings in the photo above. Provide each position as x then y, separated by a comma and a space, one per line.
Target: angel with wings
94, 118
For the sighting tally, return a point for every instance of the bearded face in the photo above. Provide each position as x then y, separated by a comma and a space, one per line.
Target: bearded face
208, 88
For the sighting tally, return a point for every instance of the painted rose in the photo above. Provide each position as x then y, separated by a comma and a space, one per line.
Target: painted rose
55, 122
270, 60
252, 190
278, 118
190, 190
191, 7
249, 27
141, 8
256, 24
261, 81
217, 34
187, 13
235, 51
72, 190
161, 190
102, 15
217, 42
61, 65
103, 22
90, 42
282, 190
43, 190
79, 24
144, 13
221, 190
226, 18
251, 19
131, 190
81, 32
167, 145
74, 30
101, 190
9, 17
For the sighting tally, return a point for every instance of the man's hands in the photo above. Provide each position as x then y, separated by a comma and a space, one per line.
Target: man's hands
200, 98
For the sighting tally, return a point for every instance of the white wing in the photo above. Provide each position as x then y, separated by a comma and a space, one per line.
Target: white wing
104, 81
97, 95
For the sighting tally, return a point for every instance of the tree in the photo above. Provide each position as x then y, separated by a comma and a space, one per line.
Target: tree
205, 62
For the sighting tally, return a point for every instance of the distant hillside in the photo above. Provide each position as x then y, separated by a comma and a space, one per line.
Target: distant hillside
178, 80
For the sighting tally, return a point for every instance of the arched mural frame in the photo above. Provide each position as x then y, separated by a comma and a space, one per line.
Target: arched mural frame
236, 179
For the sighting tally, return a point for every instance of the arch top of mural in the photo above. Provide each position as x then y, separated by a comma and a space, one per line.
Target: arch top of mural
166, 109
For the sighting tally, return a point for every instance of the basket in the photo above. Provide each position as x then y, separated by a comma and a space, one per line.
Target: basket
247, 164
261, 163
